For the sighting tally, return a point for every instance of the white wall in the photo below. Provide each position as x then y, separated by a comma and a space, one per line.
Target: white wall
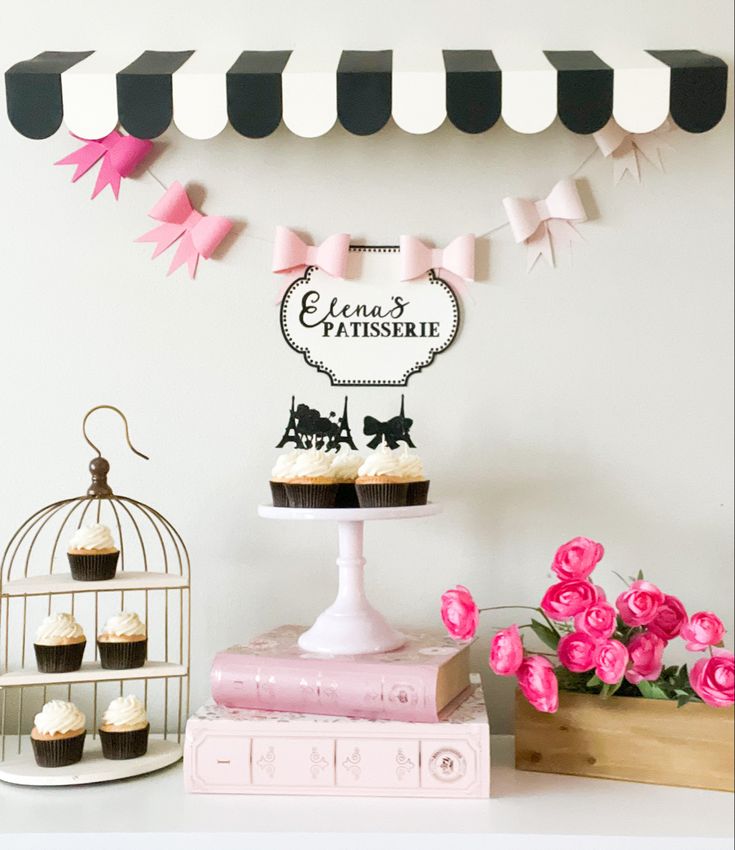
594, 399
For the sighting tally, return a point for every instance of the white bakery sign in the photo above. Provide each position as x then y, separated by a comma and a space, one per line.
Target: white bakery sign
371, 328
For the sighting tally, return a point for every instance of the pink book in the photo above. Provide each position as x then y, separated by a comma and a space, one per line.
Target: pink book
416, 683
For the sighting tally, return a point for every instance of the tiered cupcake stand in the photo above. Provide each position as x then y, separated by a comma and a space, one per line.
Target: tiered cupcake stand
350, 626
152, 579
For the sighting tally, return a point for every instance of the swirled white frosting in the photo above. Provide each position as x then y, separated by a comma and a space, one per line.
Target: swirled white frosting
58, 717
125, 711
283, 469
92, 537
383, 461
312, 463
124, 624
410, 466
345, 464
56, 628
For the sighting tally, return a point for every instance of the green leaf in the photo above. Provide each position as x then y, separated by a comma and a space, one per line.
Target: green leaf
545, 634
650, 690
608, 690
594, 682
640, 575
683, 700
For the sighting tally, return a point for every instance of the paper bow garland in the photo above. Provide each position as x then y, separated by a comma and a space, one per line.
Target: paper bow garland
546, 224
200, 234
456, 262
624, 148
120, 156
291, 254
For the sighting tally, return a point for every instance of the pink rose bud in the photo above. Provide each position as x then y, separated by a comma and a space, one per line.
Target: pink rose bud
646, 652
506, 652
639, 604
598, 621
713, 679
669, 620
459, 613
576, 652
703, 629
567, 598
577, 558
538, 684
611, 660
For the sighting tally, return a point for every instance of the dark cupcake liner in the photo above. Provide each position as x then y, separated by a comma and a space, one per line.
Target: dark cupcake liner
418, 493
278, 491
124, 745
311, 495
63, 658
59, 752
382, 495
346, 496
93, 567
122, 655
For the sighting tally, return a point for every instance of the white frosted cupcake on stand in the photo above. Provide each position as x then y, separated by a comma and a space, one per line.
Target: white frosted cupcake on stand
59, 644
124, 729
92, 554
123, 643
311, 482
58, 734
281, 472
345, 464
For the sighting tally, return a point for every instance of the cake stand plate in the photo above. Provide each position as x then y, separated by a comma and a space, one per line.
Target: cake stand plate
350, 626
94, 767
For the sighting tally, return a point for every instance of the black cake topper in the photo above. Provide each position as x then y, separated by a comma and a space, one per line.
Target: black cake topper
393, 431
308, 429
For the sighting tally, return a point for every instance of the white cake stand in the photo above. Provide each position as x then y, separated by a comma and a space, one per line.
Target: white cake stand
350, 626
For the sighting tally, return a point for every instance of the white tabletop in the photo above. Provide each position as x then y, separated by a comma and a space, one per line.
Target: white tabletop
527, 810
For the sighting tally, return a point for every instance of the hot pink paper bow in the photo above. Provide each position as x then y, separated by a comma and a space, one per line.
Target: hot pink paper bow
120, 156
544, 225
201, 233
624, 148
456, 262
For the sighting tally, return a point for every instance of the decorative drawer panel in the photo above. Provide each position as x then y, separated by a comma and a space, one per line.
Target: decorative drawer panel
446, 762
293, 762
221, 761
371, 763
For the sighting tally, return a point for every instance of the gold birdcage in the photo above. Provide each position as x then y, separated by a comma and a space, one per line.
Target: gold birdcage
152, 579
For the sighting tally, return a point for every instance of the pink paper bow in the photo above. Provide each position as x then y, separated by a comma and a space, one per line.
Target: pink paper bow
120, 156
201, 233
291, 254
456, 262
545, 224
624, 148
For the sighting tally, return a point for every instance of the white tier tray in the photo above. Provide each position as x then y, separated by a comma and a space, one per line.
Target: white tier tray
94, 767
90, 672
64, 583
349, 514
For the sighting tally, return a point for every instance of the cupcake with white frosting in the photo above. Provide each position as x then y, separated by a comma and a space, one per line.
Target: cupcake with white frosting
123, 642
58, 734
92, 553
345, 464
311, 482
411, 469
381, 480
124, 729
281, 472
59, 644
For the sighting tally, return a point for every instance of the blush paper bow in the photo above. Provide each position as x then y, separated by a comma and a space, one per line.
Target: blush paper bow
624, 148
120, 156
456, 262
200, 234
544, 225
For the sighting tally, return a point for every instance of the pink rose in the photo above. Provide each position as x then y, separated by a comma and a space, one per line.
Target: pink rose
703, 629
537, 681
646, 652
576, 652
611, 660
460, 614
506, 652
598, 621
670, 618
713, 679
577, 558
639, 604
567, 598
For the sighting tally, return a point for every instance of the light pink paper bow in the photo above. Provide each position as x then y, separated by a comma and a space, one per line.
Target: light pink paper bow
456, 262
120, 156
200, 234
291, 255
544, 225
624, 148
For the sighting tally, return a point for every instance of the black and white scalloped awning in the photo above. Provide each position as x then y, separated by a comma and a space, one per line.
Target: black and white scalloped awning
311, 89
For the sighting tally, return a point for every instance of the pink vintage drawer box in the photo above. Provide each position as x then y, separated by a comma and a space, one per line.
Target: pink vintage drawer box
243, 751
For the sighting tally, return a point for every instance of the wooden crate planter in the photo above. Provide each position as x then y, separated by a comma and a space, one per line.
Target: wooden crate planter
639, 740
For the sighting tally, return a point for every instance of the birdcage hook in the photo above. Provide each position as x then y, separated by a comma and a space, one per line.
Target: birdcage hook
99, 467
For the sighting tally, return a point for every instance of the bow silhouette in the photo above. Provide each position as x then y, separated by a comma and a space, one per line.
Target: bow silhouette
625, 147
456, 262
392, 431
201, 233
544, 224
120, 156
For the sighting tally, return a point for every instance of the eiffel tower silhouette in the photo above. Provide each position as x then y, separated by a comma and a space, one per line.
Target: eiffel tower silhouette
338, 432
